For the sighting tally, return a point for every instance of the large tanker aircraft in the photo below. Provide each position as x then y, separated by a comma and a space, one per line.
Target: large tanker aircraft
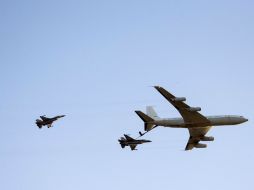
197, 124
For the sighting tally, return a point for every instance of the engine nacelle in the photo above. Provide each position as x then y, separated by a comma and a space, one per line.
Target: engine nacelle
205, 138
179, 99
193, 109
199, 145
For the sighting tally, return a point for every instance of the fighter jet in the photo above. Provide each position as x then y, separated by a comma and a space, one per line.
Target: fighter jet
197, 124
46, 121
128, 141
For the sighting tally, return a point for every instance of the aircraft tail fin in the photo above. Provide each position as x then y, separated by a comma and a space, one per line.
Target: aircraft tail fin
147, 120
151, 112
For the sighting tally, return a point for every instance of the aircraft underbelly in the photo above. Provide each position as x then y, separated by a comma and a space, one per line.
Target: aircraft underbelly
171, 123
133, 143
178, 123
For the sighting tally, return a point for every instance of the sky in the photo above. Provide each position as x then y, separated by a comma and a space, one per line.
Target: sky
95, 62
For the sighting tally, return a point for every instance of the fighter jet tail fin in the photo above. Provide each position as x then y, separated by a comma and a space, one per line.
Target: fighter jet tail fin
147, 120
151, 112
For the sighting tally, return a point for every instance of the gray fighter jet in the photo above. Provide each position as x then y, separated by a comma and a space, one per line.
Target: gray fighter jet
47, 121
129, 141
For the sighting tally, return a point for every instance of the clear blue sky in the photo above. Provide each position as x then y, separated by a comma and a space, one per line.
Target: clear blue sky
94, 61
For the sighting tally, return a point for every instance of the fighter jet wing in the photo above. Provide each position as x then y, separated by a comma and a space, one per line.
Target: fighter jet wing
133, 146
44, 118
128, 138
189, 116
195, 134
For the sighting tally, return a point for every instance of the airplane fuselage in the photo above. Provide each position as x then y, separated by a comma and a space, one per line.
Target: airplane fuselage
214, 121
46, 122
136, 142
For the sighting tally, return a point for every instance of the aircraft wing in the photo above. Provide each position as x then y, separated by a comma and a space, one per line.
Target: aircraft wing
189, 117
195, 134
44, 118
133, 146
128, 138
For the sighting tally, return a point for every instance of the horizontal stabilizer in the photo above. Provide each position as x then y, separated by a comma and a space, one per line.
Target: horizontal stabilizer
148, 120
144, 117
128, 137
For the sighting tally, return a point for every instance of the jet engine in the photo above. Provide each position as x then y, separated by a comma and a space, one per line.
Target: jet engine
199, 145
193, 109
205, 138
179, 99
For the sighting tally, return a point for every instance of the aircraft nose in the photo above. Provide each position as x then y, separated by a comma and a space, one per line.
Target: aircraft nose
245, 119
